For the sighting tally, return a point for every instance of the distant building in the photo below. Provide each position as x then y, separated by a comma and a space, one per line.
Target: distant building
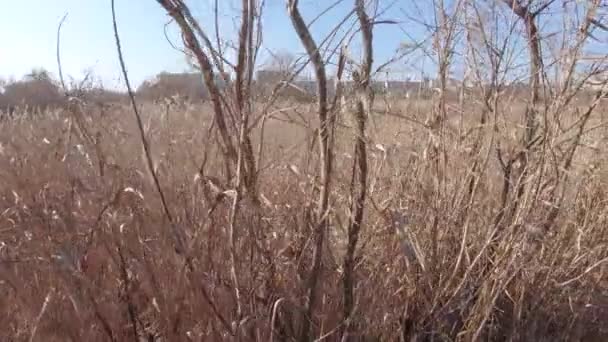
188, 85
306, 87
270, 77
268, 80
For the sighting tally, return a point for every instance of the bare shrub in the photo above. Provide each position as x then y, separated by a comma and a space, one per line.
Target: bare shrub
37, 90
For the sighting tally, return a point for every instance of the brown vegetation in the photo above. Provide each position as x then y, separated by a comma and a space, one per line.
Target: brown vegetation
359, 217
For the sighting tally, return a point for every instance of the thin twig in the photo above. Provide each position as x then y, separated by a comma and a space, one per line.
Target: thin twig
63, 86
43, 309
179, 244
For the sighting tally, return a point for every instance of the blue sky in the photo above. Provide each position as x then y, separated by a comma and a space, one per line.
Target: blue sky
29, 34
87, 42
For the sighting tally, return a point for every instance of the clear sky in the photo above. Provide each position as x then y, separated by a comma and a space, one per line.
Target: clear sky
29, 38
29, 34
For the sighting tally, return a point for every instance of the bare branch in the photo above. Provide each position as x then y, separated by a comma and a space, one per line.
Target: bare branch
65, 90
358, 186
179, 243
177, 9
326, 156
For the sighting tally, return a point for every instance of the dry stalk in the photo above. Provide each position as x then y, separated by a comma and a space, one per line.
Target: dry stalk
245, 152
358, 186
516, 168
61, 79
179, 243
326, 157
43, 309
445, 37
178, 10
126, 289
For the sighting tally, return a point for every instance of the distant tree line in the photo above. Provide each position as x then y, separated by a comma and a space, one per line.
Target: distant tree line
40, 90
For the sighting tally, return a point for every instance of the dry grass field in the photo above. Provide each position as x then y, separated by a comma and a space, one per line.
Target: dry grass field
318, 202
86, 253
